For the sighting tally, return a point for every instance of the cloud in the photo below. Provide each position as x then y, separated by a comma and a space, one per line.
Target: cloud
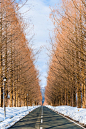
39, 16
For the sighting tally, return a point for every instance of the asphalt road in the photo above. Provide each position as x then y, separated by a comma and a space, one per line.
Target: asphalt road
44, 118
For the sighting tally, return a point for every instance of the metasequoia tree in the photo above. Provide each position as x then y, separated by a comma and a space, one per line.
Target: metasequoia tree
16, 59
67, 85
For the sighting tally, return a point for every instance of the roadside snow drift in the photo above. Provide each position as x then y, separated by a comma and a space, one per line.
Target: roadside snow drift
13, 114
78, 114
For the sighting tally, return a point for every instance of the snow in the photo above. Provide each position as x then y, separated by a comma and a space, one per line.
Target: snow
77, 114
13, 114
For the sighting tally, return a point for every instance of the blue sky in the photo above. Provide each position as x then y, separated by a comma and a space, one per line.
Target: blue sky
39, 17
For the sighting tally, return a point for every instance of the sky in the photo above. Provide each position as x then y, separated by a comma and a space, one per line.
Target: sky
38, 17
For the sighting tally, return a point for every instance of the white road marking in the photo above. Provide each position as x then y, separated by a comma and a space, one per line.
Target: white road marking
42, 111
41, 120
71, 120
41, 117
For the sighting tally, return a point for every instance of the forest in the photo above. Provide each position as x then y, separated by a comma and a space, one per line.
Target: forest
17, 67
66, 81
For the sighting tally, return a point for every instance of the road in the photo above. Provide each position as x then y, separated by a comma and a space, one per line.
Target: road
44, 118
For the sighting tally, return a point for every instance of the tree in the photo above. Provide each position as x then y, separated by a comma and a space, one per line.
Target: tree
68, 60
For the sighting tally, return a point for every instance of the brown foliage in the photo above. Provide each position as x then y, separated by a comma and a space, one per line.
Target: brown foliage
16, 60
67, 73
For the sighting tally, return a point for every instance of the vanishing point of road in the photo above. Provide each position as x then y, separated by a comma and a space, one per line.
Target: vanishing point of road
44, 118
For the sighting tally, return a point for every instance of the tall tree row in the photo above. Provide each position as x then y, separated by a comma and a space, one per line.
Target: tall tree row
66, 81
16, 60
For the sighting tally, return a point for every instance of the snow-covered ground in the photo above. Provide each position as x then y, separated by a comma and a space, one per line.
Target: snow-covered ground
13, 114
77, 114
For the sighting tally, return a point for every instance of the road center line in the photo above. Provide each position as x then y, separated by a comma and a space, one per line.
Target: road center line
41, 127
41, 120
42, 111
41, 116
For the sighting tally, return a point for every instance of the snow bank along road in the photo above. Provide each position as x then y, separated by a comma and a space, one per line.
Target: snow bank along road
44, 118
13, 114
74, 113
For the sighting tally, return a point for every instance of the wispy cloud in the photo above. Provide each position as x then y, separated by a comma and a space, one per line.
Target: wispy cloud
39, 15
